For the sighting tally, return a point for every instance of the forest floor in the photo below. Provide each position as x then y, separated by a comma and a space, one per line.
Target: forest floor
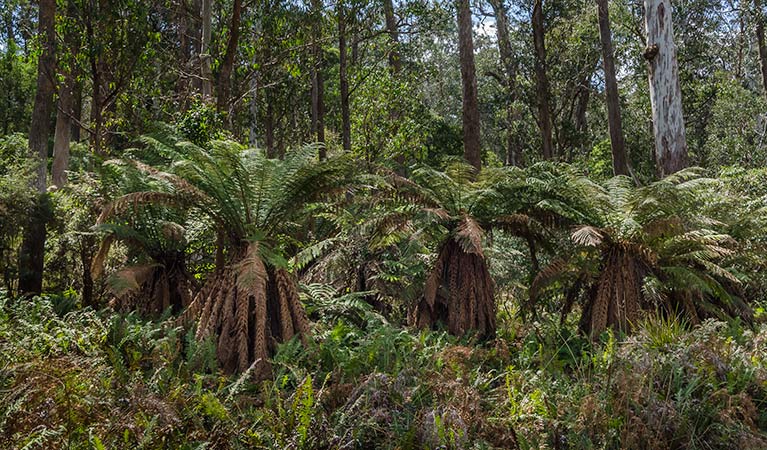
82, 379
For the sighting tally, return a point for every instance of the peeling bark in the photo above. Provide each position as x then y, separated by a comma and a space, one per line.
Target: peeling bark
665, 91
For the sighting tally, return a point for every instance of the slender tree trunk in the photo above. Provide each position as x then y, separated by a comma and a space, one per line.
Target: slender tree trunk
346, 127
184, 52
318, 84
513, 149
395, 62
205, 58
665, 91
77, 111
269, 129
761, 42
63, 133
542, 81
255, 80
32, 253
86, 258
253, 110
620, 166
584, 94
471, 138
96, 111
225, 74
96, 106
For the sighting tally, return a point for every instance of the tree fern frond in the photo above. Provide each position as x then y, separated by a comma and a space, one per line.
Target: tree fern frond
469, 236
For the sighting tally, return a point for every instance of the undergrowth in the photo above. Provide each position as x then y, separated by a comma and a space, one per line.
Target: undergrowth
97, 380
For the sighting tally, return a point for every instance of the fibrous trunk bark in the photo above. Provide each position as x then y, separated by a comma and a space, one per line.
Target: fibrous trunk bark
459, 293
665, 91
542, 81
471, 137
513, 149
620, 165
32, 253
248, 308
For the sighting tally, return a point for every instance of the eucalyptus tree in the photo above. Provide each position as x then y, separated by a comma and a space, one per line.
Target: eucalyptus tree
32, 254
472, 151
655, 248
665, 91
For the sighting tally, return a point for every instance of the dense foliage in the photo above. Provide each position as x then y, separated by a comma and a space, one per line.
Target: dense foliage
399, 224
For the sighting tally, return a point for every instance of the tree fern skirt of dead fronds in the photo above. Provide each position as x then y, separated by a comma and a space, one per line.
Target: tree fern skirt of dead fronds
617, 298
248, 308
151, 289
458, 293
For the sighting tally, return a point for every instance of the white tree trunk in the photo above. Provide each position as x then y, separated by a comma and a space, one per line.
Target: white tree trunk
665, 92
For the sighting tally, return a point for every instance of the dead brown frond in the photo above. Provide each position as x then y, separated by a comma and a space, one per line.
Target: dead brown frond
587, 236
130, 278
134, 200
459, 292
469, 235
554, 270
97, 265
616, 300
151, 289
249, 307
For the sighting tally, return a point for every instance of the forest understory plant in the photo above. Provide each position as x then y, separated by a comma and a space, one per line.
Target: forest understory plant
654, 250
250, 302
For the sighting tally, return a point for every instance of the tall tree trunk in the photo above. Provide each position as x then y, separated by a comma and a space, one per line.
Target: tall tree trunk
32, 253
395, 62
184, 52
77, 111
620, 165
761, 42
269, 129
346, 128
63, 133
542, 81
225, 74
665, 91
253, 110
86, 258
395, 68
206, 16
254, 83
96, 106
513, 149
318, 84
471, 141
